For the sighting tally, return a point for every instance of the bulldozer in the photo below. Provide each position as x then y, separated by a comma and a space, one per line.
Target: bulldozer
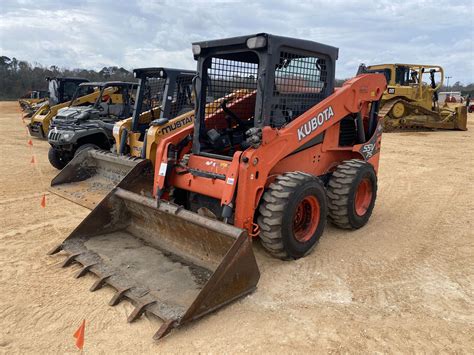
175, 239
411, 100
164, 103
61, 91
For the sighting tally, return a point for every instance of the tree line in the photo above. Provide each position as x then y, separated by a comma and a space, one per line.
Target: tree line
18, 77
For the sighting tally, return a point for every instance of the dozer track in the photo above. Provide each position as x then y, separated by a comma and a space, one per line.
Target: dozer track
424, 119
164, 259
91, 175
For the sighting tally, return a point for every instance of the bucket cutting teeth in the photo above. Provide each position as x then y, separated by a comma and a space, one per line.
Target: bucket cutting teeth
85, 269
165, 260
138, 311
100, 282
69, 260
119, 296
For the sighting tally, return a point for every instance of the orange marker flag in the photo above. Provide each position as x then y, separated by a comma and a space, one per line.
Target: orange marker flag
79, 335
43, 201
30, 142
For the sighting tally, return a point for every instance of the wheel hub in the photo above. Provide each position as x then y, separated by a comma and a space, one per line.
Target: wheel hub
363, 197
306, 218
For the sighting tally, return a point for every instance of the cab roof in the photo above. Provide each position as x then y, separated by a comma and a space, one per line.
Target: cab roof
273, 43
108, 83
162, 72
66, 78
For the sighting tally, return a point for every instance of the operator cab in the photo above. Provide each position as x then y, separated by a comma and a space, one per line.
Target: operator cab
163, 92
62, 89
300, 73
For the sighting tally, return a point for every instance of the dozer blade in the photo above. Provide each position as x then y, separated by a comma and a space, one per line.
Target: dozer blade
91, 175
167, 261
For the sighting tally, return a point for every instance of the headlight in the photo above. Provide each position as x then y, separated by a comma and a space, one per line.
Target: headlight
256, 42
66, 135
196, 49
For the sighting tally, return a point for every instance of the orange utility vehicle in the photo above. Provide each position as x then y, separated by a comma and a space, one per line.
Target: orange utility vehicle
176, 239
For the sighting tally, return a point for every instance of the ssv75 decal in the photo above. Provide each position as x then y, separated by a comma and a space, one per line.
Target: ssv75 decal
309, 127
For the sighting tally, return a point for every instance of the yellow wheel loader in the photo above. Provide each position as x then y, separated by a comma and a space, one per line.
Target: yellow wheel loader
164, 104
411, 99
290, 152
61, 91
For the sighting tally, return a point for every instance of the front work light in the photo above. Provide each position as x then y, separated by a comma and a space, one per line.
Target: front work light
256, 42
196, 49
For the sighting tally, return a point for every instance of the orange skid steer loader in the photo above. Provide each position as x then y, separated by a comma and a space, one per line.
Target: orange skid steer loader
275, 164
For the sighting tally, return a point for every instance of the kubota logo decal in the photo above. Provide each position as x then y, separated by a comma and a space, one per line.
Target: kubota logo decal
313, 124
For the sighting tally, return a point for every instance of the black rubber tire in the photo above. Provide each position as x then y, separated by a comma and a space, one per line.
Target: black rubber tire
56, 159
341, 193
277, 210
85, 147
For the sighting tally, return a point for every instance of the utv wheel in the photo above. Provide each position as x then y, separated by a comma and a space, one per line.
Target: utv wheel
85, 147
56, 158
352, 191
292, 215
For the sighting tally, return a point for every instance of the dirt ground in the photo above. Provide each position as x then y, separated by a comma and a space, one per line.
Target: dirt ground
403, 283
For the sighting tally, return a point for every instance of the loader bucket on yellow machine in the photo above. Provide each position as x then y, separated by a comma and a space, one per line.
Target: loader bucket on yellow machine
167, 261
91, 175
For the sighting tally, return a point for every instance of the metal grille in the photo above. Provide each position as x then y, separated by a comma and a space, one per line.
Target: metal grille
53, 136
228, 78
153, 94
299, 85
182, 100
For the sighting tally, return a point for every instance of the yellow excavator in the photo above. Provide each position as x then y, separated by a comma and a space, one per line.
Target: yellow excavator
164, 104
61, 91
411, 99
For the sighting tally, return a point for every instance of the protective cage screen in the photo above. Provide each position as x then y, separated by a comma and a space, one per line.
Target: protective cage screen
236, 80
299, 85
153, 94
182, 100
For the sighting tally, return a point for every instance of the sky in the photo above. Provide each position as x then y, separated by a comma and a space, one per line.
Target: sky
142, 33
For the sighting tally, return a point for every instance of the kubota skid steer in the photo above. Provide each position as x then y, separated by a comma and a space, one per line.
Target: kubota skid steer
276, 163
164, 104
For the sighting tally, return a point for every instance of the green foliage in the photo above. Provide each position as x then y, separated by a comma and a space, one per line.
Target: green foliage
18, 77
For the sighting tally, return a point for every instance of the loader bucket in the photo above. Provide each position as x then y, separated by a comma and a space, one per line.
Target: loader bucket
167, 261
91, 175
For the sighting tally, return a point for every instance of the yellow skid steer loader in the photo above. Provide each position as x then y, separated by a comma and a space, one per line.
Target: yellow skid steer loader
164, 104
61, 92
32, 100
